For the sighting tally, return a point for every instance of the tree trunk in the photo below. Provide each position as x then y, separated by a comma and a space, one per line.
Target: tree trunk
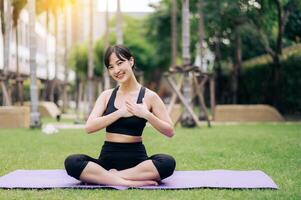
90, 61
119, 33
2, 17
47, 82
218, 69
187, 120
201, 27
56, 57
79, 90
107, 83
282, 17
34, 115
19, 85
6, 50
276, 83
185, 32
56, 47
174, 34
236, 68
281, 27
65, 85
201, 32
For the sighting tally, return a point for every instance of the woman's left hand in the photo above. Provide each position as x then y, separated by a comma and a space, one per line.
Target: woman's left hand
139, 110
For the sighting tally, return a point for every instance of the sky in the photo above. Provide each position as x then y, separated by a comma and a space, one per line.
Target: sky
127, 5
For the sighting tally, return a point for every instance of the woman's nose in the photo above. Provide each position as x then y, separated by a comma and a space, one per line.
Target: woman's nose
116, 70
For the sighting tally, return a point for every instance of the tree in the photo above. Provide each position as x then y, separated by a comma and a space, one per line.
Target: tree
201, 42
90, 59
78, 60
41, 7
55, 7
5, 24
273, 11
135, 39
119, 33
158, 32
174, 33
18, 5
34, 115
106, 76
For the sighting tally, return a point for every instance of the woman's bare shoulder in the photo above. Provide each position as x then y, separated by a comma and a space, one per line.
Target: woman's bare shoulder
104, 95
107, 92
149, 94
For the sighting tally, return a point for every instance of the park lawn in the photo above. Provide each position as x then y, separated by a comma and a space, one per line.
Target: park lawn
50, 120
272, 148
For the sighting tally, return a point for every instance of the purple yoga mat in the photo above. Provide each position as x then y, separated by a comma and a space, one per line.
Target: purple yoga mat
229, 179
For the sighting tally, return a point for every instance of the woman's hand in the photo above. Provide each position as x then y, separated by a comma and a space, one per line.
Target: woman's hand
139, 110
124, 112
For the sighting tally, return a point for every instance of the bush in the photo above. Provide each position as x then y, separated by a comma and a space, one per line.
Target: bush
256, 84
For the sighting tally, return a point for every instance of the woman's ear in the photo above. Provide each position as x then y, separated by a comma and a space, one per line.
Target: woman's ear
132, 61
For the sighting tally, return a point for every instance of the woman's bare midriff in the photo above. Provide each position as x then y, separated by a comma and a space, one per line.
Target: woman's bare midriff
117, 137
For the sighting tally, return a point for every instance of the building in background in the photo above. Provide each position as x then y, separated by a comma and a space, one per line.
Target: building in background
77, 32
45, 49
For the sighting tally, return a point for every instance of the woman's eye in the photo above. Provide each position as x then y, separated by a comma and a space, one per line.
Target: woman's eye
119, 63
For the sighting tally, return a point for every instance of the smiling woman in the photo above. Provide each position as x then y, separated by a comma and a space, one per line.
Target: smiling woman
127, 5
124, 111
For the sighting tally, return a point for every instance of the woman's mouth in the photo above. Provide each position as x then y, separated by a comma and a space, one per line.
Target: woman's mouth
120, 76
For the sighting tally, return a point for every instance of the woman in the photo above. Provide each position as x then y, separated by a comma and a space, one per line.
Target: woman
124, 111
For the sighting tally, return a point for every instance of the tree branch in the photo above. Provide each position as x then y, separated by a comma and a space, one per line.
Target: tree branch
264, 39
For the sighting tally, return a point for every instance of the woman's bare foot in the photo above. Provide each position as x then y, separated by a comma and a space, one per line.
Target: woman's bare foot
115, 171
134, 183
131, 183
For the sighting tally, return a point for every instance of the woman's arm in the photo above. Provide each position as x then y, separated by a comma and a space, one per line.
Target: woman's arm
95, 120
159, 117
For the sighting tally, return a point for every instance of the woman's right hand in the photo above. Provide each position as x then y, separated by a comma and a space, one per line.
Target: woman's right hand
124, 111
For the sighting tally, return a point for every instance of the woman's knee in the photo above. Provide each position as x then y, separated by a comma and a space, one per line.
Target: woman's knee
74, 164
165, 164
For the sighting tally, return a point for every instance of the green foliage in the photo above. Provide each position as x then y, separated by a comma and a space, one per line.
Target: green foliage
222, 20
98, 57
158, 33
293, 26
78, 60
291, 92
256, 85
99, 54
254, 21
134, 39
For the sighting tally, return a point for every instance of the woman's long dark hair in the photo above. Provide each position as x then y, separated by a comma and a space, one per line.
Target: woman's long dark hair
121, 52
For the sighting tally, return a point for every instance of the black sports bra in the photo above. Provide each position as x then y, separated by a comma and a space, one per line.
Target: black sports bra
125, 125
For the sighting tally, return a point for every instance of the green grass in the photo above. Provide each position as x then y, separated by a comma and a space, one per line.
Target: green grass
46, 120
272, 148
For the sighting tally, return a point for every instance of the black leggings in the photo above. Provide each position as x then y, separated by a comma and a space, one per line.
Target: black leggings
120, 156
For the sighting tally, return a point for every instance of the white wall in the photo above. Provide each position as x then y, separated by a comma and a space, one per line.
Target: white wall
43, 50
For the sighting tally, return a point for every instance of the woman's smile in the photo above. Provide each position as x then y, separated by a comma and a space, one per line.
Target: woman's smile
120, 75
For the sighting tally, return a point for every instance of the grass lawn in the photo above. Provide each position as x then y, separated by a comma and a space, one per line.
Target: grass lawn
272, 148
47, 120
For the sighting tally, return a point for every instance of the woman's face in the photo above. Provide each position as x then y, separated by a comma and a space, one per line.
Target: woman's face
120, 70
